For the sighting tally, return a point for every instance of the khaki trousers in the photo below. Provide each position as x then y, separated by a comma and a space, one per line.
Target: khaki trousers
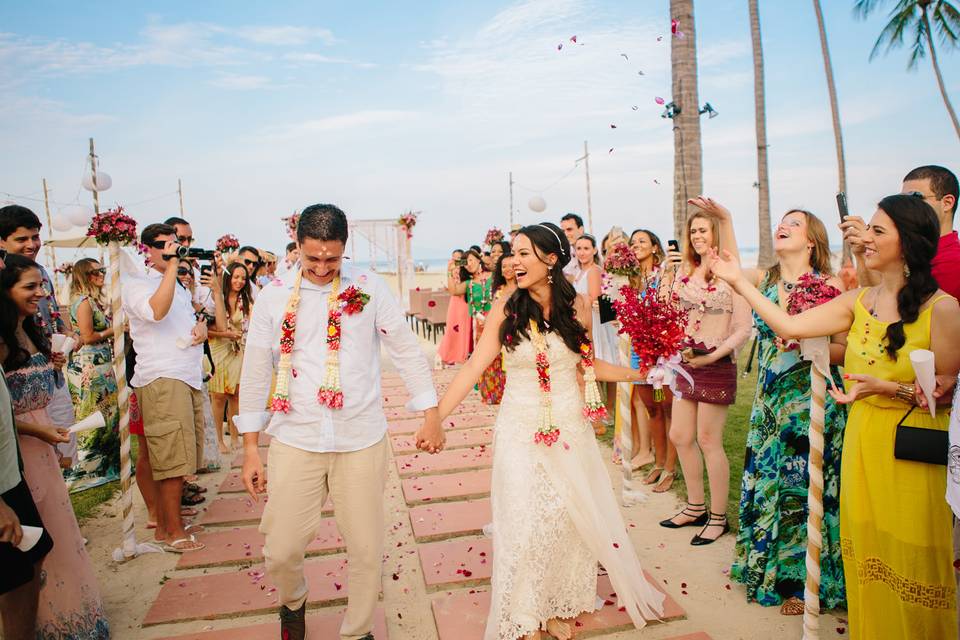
298, 484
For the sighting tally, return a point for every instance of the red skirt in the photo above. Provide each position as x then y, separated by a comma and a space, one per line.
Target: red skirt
714, 384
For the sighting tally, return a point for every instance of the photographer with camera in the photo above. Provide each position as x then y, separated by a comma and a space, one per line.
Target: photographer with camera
168, 374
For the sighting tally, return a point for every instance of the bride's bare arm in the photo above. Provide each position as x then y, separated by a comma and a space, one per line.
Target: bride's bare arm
486, 350
607, 372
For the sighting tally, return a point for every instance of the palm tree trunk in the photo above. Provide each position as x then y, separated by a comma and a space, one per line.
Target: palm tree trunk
759, 101
688, 155
835, 111
936, 71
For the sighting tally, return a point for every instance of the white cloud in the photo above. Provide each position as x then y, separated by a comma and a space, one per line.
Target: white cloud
284, 35
307, 57
241, 82
342, 122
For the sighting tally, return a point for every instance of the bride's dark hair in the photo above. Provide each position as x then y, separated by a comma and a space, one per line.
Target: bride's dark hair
521, 308
919, 232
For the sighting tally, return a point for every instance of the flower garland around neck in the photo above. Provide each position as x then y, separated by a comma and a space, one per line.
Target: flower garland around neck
547, 432
350, 301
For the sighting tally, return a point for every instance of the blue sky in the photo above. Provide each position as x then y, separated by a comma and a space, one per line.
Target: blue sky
263, 108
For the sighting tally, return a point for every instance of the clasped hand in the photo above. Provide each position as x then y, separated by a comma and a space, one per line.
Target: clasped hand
430, 437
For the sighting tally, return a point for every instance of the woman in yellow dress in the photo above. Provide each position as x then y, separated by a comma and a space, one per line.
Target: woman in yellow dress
226, 347
895, 526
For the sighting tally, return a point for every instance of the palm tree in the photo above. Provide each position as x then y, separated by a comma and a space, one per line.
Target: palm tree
760, 109
914, 15
837, 132
688, 155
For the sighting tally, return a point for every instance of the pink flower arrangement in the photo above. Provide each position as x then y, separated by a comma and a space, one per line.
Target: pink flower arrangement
66, 269
621, 261
291, 223
493, 236
113, 226
228, 243
408, 221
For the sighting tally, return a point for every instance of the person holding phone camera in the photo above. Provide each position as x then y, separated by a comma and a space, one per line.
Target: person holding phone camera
894, 521
168, 339
717, 326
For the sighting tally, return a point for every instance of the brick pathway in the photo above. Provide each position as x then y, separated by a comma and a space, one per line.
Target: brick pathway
435, 533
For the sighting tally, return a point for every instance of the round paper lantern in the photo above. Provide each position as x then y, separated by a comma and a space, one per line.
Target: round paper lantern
60, 223
78, 215
104, 181
537, 204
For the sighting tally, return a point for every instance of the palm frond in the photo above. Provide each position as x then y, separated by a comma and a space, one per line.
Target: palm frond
918, 48
892, 34
863, 8
946, 18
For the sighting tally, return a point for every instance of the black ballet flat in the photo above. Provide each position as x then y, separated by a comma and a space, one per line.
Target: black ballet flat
714, 521
700, 521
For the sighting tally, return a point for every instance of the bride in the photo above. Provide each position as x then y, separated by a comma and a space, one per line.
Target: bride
554, 512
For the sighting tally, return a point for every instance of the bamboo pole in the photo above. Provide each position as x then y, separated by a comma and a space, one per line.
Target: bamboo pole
180, 193
816, 350
511, 200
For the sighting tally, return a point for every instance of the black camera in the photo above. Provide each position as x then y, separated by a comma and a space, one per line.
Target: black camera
191, 252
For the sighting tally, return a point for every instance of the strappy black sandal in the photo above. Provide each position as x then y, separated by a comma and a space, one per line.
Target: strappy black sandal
700, 517
716, 520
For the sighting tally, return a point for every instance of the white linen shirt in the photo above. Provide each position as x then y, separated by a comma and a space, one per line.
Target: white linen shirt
309, 425
158, 355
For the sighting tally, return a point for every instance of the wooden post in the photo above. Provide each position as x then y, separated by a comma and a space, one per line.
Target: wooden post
96, 189
586, 164
511, 200
50, 250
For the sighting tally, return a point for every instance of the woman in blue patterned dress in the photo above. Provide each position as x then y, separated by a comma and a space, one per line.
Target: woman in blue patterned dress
93, 384
70, 607
772, 540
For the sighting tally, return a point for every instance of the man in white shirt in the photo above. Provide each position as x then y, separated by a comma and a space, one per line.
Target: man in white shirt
318, 451
167, 377
572, 226
201, 292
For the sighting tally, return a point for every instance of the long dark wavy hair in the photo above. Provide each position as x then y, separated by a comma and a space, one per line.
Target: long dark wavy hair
919, 231
243, 297
17, 356
521, 308
498, 279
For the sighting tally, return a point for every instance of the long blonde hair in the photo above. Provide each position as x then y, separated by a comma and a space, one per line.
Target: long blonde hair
80, 284
819, 254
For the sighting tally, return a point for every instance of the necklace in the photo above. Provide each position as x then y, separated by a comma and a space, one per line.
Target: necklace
547, 432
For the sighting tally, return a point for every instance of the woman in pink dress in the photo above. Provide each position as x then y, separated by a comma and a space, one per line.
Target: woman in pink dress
70, 604
457, 339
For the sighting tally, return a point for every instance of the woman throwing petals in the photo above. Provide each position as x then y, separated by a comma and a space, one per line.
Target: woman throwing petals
554, 511
894, 523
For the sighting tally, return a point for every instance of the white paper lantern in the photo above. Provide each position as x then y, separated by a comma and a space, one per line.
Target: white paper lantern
104, 181
78, 215
537, 204
60, 223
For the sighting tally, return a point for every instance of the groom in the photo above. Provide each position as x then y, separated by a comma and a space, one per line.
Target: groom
324, 443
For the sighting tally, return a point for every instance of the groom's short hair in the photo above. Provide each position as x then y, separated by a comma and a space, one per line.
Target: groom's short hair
322, 222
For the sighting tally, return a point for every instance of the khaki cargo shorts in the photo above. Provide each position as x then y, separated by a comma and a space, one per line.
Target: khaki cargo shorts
173, 425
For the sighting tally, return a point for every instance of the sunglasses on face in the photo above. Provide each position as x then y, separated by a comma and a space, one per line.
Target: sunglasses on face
3, 254
158, 244
183, 271
102, 271
251, 263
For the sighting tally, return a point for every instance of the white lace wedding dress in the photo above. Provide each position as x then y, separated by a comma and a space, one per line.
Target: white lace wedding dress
554, 511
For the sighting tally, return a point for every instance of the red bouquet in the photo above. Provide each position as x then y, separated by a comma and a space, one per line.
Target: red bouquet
113, 226
657, 328
811, 290
493, 237
353, 300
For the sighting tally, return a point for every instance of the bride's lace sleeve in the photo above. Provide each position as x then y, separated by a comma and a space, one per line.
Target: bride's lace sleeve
741, 322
